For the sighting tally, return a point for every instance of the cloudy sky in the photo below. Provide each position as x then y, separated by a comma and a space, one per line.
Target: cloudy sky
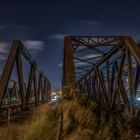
42, 24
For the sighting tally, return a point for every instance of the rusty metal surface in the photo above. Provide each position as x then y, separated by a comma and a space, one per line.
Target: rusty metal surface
7, 70
23, 96
106, 69
68, 69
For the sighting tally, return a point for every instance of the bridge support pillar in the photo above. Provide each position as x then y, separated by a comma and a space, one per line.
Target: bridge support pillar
68, 68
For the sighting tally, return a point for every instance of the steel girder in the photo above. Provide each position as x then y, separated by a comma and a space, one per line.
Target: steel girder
106, 67
40, 88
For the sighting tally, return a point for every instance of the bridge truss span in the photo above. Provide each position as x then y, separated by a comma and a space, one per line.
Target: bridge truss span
105, 69
22, 93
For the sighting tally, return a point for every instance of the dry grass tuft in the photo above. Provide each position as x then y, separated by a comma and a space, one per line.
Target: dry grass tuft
45, 125
80, 123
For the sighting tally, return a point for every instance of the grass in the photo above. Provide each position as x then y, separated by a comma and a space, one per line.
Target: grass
79, 123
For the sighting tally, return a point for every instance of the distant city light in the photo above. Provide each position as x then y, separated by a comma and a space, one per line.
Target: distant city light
53, 99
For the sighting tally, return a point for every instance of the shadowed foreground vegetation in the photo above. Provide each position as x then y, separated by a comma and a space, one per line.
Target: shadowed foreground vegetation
81, 122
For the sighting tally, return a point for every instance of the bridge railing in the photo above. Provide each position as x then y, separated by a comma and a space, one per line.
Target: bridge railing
105, 68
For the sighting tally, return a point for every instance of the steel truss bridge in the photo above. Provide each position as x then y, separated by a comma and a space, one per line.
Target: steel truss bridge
20, 94
105, 69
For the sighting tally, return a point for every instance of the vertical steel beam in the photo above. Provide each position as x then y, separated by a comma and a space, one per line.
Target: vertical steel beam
120, 86
136, 80
96, 90
8, 69
20, 79
49, 91
93, 88
29, 87
42, 88
39, 85
68, 67
135, 50
112, 79
45, 89
105, 98
13, 89
108, 83
90, 86
35, 86
113, 86
130, 80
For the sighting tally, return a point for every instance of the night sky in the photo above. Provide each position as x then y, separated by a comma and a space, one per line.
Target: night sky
41, 26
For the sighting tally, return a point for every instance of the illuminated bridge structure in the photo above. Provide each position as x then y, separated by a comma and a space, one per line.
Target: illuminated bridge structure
18, 94
105, 69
